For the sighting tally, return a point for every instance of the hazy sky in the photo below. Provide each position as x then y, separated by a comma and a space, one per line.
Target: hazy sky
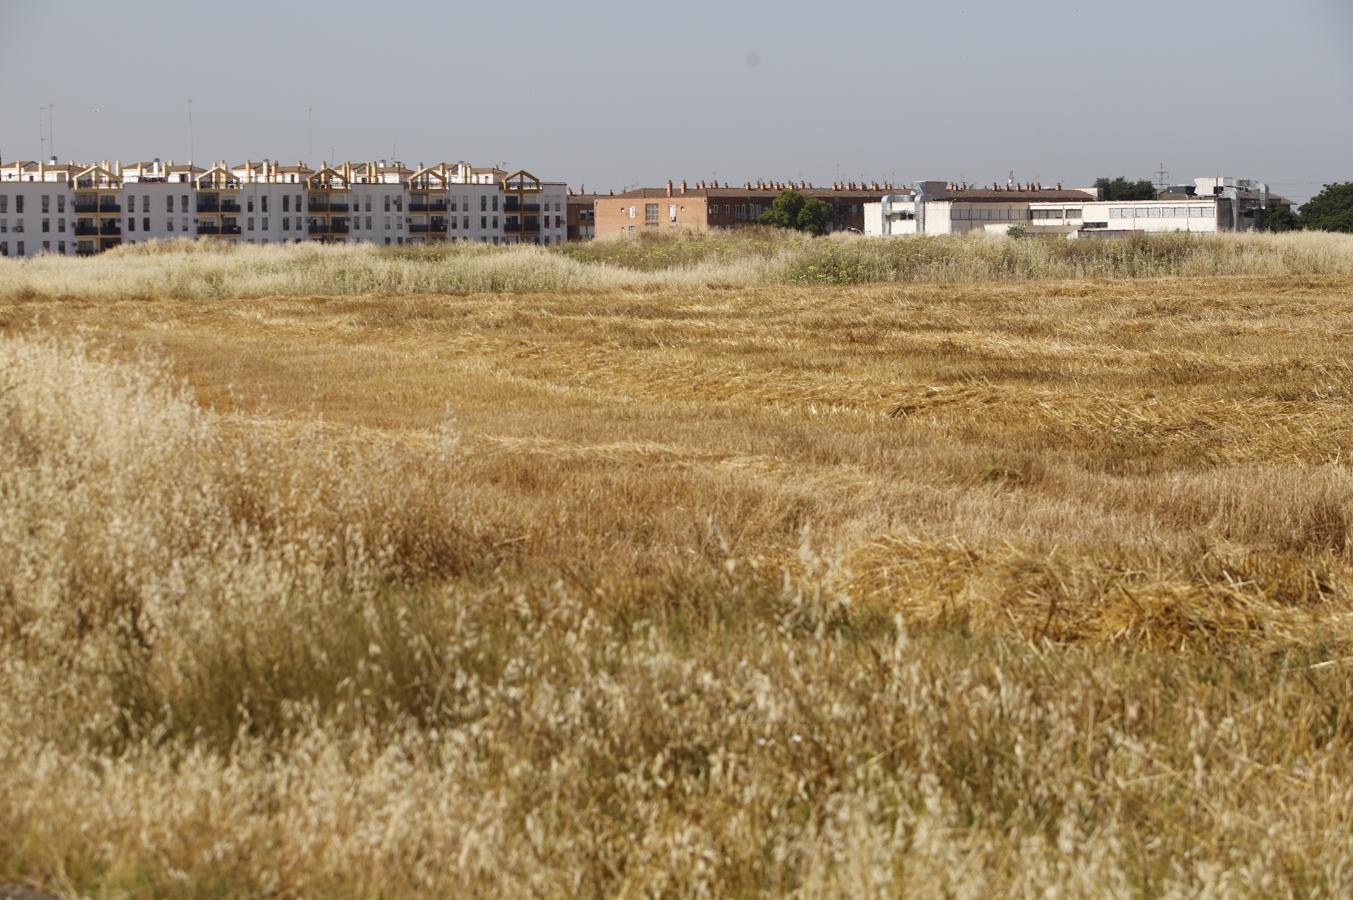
611, 94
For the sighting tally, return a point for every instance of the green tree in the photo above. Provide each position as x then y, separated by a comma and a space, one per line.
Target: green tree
793, 210
1121, 189
813, 216
784, 210
1279, 218
1331, 209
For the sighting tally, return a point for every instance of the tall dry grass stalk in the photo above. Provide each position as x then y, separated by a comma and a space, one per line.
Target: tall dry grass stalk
971, 590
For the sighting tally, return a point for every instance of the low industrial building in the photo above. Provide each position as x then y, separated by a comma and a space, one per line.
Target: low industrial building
1208, 206
939, 207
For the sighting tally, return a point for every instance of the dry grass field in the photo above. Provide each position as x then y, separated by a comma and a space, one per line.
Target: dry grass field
735, 566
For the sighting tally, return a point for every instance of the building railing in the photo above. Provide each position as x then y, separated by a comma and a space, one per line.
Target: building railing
230, 229
229, 206
529, 226
208, 228
328, 227
433, 206
511, 205
208, 206
86, 230
110, 228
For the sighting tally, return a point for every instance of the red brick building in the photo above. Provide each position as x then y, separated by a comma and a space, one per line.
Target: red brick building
708, 206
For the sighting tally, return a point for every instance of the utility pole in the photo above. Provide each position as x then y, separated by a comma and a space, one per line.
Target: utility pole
1162, 177
191, 147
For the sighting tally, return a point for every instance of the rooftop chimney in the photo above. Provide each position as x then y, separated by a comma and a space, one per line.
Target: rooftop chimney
669, 187
683, 185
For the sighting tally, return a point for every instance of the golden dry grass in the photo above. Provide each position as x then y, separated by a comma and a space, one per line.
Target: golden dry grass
672, 588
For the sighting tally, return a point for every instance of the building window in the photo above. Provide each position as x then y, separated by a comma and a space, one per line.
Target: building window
631, 212
286, 220
145, 203
18, 208
298, 199
183, 203
169, 202
46, 223
263, 206
368, 223
387, 209
286, 203
131, 224
61, 247
483, 203
46, 203
4, 203
61, 225
650, 213
61, 203
495, 202
265, 223
145, 223
249, 204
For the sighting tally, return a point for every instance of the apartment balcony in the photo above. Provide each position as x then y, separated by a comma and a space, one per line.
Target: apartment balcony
328, 228
320, 205
230, 206
208, 228
106, 208
110, 229
511, 205
427, 206
230, 229
85, 229
208, 206
530, 226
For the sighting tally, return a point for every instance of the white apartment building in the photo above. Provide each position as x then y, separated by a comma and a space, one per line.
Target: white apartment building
80, 209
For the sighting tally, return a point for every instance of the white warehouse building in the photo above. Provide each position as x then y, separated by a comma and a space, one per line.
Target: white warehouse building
1208, 206
80, 209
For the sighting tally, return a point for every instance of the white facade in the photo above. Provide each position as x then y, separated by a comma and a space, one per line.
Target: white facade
894, 214
80, 209
1152, 216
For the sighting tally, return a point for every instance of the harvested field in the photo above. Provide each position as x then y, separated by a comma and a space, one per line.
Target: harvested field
654, 581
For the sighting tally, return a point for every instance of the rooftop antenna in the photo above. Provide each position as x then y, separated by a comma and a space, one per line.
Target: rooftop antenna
51, 127
1162, 176
42, 136
191, 148
310, 132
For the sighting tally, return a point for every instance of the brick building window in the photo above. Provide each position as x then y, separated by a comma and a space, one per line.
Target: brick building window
650, 213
